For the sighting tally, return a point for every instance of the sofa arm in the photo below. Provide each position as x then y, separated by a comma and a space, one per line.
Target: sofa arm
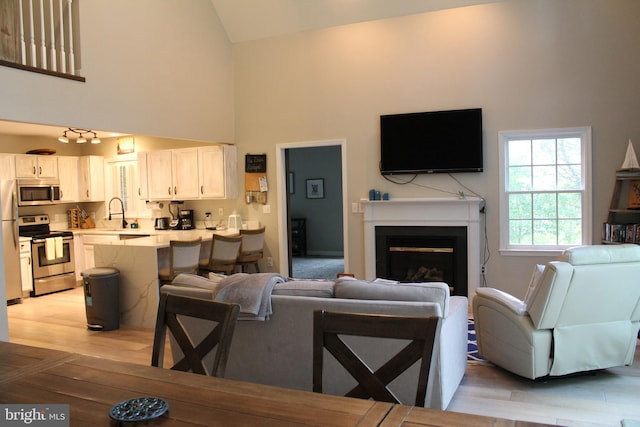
506, 300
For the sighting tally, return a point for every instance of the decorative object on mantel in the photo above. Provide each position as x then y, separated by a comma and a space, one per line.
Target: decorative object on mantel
255, 178
41, 151
630, 159
81, 139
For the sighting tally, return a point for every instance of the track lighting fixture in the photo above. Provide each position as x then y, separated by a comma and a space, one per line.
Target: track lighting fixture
81, 138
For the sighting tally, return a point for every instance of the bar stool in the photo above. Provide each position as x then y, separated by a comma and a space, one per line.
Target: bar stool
184, 256
223, 255
251, 249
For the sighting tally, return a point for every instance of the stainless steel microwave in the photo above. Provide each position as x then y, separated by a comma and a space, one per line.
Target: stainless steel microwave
33, 192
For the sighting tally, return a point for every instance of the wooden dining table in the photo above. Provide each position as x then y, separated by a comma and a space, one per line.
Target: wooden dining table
91, 386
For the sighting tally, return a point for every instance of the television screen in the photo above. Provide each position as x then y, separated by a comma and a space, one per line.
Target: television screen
431, 142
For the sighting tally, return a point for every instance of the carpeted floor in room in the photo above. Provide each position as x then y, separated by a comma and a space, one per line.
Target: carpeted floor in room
317, 267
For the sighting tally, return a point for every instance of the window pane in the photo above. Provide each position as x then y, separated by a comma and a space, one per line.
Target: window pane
544, 178
520, 178
520, 232
544, 206
570, 177
519, 152
569, 151
520, 206
544, 152
545, 232
570, 232
570, 205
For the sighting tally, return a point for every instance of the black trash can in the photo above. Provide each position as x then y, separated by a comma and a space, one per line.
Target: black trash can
101, 298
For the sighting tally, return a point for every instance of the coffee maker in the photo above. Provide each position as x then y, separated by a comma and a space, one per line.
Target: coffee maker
185, 219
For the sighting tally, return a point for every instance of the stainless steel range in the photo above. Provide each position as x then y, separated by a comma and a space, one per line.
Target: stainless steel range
52, 255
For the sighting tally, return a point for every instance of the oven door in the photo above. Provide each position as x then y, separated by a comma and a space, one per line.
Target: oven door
35, 192
45, 264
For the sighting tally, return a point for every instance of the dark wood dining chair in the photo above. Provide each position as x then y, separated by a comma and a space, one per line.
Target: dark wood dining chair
223, 314
327, 328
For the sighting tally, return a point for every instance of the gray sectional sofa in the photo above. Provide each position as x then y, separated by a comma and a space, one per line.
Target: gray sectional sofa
278, 350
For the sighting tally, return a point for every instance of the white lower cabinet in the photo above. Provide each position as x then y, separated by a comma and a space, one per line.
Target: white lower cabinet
26, 272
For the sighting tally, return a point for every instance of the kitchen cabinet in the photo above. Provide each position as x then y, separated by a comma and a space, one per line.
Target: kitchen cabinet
35, 166
143, 184
91, 183
26, 272
68, 174
217, 172
173, 174
7, 167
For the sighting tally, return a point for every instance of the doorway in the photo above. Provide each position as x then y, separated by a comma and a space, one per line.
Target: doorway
311, 199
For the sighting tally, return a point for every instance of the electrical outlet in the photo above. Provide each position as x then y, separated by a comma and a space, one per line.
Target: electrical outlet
266, 209
483, 269
269, 261
220, 212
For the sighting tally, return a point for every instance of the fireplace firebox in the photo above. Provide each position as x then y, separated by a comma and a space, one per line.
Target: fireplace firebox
423, 254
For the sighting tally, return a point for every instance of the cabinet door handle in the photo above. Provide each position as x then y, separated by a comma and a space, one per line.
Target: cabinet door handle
87, 193
202, 189
175, 190
169, 190
139, 192
40, 170
34, 170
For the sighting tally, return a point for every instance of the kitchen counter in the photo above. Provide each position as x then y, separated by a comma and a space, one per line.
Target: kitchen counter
155, 238
138, 261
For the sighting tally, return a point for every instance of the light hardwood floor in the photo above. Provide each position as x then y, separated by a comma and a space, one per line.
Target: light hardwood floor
605, 398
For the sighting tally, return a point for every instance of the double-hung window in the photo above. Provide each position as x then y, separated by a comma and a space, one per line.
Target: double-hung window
545, 181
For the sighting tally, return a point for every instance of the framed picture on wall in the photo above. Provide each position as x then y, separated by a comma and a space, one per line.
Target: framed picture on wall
315, 188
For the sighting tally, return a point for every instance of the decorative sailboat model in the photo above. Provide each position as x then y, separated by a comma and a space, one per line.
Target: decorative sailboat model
630, 159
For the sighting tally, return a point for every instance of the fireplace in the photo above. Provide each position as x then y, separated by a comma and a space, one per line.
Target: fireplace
443, 231
423, 254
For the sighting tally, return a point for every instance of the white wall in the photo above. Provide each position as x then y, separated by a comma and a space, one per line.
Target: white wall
153, 67
528, 64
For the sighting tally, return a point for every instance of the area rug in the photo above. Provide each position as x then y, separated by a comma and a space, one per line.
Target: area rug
472, 343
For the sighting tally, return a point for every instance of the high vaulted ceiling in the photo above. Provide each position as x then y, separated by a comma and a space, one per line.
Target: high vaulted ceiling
246, 20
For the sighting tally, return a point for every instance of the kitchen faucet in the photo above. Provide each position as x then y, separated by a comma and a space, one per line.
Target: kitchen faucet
124, 222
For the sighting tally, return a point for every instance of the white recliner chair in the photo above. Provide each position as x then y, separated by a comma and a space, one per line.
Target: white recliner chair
581, 312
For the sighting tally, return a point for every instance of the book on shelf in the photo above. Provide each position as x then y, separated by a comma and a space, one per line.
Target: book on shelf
621, 233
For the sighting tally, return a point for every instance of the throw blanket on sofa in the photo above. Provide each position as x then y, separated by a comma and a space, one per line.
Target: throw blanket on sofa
251, 291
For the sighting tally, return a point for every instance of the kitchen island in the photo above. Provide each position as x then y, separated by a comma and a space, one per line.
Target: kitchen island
138, 261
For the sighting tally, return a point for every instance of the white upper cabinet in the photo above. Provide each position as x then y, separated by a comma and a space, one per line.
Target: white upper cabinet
35, 166
173, 174
68, 174
143, 186
185, 173
91, 185
218, 172
7, 167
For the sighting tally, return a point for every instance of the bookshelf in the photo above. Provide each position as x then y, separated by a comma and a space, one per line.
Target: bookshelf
623, 220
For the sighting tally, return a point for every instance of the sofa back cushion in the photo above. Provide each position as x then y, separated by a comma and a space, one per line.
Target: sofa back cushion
436, 292
305, 288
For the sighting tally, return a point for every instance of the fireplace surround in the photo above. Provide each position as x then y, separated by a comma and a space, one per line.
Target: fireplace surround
436, 224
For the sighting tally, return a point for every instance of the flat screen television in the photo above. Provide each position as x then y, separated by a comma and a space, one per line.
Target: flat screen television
431, 142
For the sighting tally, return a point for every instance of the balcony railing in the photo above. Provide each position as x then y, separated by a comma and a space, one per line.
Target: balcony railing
41, 36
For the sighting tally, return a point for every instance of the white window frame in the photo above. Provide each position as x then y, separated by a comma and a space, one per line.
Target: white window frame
136, 208
584, 133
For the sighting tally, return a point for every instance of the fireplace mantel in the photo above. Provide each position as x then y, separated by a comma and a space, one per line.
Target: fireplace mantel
432, 212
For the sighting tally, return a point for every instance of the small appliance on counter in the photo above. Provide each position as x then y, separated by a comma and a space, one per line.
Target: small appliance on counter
186, 220
161, 223
235, 221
